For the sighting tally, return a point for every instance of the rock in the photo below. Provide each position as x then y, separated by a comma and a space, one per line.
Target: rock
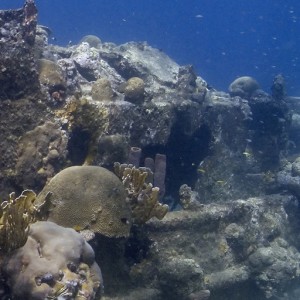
245, 145
270, 117
251, 246
274, 262
18, 76
289, 179
278, 88
296, 167
200, 295
182, 273
86, 60
41, 40
111, 148
143, 61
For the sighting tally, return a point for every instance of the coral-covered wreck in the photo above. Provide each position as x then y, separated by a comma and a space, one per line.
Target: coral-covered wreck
204, 200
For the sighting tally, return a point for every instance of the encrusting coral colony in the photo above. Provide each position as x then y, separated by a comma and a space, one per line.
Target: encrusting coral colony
141, 168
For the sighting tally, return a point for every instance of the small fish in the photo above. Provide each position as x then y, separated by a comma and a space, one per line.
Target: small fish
199, 16
221, 181
200, 170
247, 154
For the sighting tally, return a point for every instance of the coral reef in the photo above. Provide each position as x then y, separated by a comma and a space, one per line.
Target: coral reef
23, 104
88, 197
220, 148
242, 247
141, 196
55, 263
41, 153
243, 87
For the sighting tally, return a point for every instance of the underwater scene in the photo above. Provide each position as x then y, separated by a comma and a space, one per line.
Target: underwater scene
149, 150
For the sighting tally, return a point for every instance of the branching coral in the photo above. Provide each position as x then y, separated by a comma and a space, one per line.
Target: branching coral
16, 214
142, 196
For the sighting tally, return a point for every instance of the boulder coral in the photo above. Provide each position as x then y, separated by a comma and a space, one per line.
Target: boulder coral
55, 263
243, 87
89, 197
92, 40
53, 78
134, 90
102, 90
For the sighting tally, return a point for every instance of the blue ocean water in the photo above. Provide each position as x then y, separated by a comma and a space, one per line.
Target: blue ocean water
222, 39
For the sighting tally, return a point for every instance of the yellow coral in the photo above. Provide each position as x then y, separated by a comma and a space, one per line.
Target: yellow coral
16, 214
142, 196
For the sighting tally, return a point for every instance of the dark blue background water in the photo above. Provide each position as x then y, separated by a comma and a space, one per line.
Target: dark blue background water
223, 39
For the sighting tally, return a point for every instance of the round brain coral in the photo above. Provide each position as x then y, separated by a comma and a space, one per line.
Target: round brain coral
135, 90
243, 87
55, 263
89, 197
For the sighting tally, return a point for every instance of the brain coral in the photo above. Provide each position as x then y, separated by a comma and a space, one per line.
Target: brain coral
134, 90
89, 197
243, 87
55, 263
